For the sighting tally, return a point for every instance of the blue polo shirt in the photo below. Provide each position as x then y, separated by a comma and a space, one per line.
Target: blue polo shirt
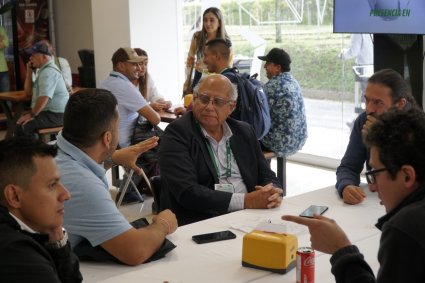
90, 213
48, 81
130, 101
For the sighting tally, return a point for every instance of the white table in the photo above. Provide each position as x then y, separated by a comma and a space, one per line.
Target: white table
221, 261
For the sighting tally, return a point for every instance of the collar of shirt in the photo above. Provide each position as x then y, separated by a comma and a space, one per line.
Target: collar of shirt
24, 227
81, 157
120, 76
227, 133
47, 64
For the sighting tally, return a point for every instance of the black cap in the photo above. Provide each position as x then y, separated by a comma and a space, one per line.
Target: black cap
278, 56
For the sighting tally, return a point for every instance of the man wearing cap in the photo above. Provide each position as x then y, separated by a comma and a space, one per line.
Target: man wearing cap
132, 106
48, 90
131, 103
288, 129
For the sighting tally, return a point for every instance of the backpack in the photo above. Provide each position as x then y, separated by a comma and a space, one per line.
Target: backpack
252, 106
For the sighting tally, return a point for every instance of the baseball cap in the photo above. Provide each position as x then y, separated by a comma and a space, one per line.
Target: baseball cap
127, 54
278, 56
39, 47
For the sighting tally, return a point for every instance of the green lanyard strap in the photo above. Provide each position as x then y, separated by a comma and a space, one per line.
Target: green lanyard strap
228, 159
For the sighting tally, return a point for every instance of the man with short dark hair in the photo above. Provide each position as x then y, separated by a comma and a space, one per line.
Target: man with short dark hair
48, 91
87, 146
397, 159
212, 164
386, 89
33, 245
288, 129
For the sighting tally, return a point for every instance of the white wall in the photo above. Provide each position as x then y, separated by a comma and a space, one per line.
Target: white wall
73, 29
111, 31
156, 26
106, 25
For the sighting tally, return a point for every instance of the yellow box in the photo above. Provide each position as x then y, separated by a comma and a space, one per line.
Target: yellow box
269, 251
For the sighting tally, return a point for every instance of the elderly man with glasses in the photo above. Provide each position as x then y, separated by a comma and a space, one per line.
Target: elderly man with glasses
212, 164
397, 158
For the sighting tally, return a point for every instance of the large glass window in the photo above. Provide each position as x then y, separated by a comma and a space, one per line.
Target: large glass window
331, 83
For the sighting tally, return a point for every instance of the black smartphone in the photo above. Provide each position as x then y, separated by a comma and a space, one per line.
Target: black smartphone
313, 209
213, 237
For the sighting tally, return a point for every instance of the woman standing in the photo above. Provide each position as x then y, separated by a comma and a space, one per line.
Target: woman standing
213, 27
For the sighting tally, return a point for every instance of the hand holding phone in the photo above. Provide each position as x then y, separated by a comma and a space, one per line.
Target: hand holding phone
213, 237
312, 210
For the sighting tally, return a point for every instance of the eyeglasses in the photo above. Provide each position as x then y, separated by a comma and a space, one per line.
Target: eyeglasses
370, 175
217, 102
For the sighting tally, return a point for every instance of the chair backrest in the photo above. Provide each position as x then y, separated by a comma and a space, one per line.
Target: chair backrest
156, 192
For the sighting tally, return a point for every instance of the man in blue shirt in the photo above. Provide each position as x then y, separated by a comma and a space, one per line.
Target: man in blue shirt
288, 129
131, 103
86, 147
48, 91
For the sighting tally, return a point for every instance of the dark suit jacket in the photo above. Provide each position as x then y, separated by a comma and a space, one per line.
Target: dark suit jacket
188, 174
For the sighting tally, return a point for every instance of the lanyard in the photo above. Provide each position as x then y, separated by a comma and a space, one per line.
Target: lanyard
228, 159
116, 76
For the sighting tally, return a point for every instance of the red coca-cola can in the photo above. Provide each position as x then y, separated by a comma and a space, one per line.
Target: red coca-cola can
305, 265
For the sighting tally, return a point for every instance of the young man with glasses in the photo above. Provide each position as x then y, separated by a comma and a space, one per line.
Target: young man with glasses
386, 89
397, 156
212, 164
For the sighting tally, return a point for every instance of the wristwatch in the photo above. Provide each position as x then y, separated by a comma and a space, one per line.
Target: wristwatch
59, 244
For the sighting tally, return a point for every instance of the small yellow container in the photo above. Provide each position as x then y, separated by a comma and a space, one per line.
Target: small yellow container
269, 251
187, 100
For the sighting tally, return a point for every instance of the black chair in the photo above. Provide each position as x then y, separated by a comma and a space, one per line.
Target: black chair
156, 192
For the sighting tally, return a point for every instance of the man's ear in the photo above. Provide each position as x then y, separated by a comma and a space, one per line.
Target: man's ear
12, 196
409, 176
232, 106
119, 66
107, 138
401, 103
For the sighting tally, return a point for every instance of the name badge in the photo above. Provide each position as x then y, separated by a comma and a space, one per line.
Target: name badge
228, 188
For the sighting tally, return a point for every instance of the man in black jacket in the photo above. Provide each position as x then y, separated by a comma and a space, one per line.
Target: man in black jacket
33, 244
212, 164
397, 159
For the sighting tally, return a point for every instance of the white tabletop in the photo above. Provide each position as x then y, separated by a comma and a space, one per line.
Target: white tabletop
221, 261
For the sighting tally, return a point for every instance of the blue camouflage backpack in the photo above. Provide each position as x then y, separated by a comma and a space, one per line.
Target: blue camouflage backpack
252, 106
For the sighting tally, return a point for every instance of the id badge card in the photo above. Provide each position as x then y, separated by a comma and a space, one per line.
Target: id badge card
228, 188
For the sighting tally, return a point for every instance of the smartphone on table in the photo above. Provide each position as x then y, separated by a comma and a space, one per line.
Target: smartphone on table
213, 237
313, 209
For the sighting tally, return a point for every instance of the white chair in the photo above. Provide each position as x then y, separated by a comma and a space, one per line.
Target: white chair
129, 181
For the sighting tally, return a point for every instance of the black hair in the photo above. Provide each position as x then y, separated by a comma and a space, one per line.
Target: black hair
221, 46
17, 160
399, 136
393, 80
89, 113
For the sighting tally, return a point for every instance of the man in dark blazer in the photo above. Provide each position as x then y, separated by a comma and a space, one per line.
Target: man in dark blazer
212, 164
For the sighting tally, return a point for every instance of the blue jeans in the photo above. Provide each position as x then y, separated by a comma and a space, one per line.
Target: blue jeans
4, 81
